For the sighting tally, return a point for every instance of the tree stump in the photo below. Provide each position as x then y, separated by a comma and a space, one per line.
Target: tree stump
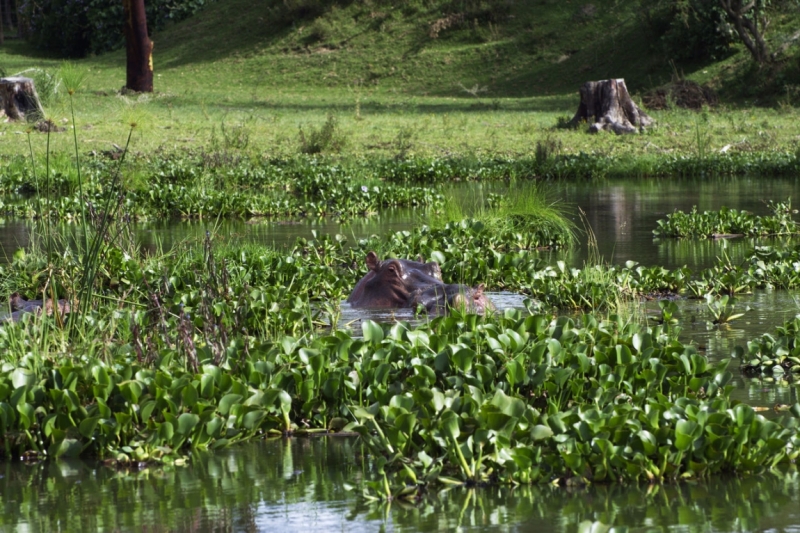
18, 98
606, 105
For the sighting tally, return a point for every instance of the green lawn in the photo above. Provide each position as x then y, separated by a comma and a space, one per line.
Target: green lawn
484, 88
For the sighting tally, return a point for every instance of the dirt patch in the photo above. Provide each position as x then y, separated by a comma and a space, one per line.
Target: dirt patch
48, 126
682, 93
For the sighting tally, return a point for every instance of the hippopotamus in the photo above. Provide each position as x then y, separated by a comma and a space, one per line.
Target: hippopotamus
403, 283
20, 306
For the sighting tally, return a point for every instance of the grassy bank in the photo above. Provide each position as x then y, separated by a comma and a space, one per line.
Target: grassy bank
495, 86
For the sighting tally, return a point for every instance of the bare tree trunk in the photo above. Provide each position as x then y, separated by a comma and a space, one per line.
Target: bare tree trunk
746, 18
139, 48
606, 105
18, 99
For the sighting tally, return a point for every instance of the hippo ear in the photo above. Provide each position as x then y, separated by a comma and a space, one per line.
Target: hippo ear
372, 261
421, 259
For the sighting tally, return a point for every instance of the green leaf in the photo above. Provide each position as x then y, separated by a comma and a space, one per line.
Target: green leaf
207, 386
227, 401
69, 448
253, 419
684, 434
187, 422
373, 332
189, 396
462, 359
426, 372
87, 426
449, 425
146, 411
100, 375
418, 338
649, 442
22, 377
425, 459
131, 391
406, 423
540, 432
285, 400
166, 431
214, 426
26, 415
511, 406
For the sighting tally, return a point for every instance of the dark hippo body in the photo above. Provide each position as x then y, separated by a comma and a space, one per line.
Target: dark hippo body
19, 306
402, 283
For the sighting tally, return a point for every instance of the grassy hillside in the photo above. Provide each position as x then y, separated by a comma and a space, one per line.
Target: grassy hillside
509, 48
442, 47
422, 76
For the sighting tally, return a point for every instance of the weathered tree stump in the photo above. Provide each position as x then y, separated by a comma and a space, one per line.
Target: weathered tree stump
18, 98
606, 105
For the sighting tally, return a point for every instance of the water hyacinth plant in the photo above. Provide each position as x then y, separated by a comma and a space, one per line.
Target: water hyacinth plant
202, 346
206, 181
514, 399
728, 222
776, 353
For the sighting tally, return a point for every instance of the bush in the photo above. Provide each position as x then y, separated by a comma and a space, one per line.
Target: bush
688, 29
328, 138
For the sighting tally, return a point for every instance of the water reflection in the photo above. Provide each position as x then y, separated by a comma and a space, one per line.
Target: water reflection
623, 214
352, 317
302, 485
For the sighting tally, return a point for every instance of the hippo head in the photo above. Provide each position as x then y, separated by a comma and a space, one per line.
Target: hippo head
439, 299
16, 302
393, 282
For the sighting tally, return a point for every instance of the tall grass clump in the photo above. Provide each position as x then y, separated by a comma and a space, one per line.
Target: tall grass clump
527, 208
523, 210
327, 138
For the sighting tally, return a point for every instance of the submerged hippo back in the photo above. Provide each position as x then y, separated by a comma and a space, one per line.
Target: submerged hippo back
393, 282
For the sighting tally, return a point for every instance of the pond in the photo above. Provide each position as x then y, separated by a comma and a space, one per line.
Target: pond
621, 214
301, 483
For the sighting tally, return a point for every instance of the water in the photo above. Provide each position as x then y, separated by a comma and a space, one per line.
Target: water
622, 215
300, 484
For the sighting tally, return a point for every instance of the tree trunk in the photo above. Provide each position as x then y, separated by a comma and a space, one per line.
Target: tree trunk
746, 24
18, 99
139, 48
606, 105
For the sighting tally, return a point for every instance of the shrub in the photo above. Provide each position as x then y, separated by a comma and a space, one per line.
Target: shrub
327, 138
688, 29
